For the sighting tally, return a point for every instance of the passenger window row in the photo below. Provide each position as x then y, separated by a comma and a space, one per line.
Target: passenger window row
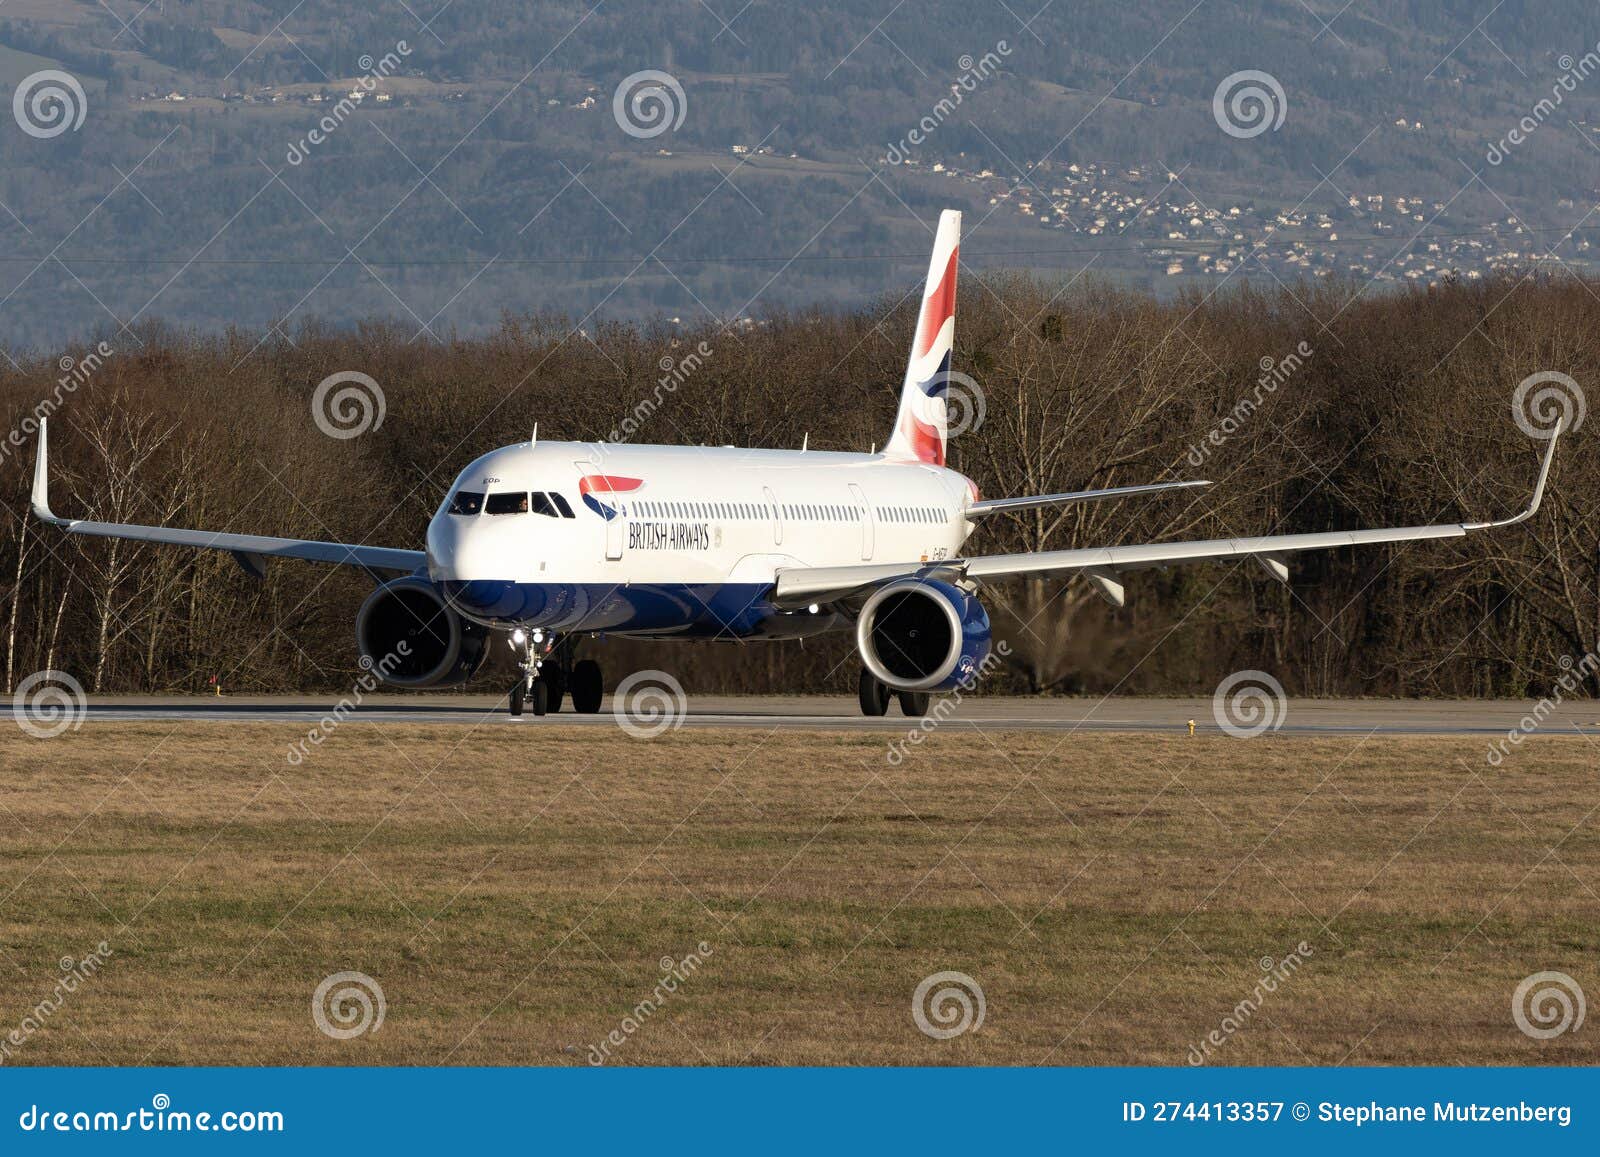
732, 511
821, 512
926, 514
551, 505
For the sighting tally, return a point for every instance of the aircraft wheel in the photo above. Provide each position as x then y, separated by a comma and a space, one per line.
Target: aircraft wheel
541, 696
588, 687
556, 686
519, 696
914, 704
874, 695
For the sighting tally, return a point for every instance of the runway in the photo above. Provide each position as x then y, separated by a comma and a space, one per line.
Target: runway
840, 713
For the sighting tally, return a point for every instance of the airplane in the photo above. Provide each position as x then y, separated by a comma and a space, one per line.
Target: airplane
547, 542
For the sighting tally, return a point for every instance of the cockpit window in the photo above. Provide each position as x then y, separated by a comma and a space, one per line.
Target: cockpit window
509, 502
541, 505
561, 505
466, 502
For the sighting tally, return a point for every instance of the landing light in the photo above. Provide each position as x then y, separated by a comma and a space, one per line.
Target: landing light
519, 636
813, 608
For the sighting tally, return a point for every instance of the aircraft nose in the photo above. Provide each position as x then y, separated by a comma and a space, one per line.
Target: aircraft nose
451, 549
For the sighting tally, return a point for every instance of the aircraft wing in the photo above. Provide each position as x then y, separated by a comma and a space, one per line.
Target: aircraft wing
1103, 565
249, 550
1007, 505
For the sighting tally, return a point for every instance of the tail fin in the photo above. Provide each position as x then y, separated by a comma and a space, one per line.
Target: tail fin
919, 427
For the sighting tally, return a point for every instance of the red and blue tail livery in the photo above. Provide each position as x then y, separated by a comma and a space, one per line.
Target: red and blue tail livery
921, 426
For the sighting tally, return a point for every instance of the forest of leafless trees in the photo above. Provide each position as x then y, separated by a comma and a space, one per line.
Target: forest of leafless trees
1311, 408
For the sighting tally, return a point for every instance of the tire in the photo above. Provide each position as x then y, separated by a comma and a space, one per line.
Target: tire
541, 696
557, 690
914, 704
519, 696
874, 696
587, 687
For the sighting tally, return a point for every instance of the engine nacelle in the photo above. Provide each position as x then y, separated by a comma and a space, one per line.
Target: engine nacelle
409, 637
922, 635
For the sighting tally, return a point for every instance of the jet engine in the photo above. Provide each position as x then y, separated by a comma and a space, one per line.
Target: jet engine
922, 635
407, 634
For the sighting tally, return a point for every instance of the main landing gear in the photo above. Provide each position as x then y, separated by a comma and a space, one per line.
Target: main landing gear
547, 674
875, 695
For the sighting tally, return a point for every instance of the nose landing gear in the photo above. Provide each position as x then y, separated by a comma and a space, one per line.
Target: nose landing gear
530, 685
547, 673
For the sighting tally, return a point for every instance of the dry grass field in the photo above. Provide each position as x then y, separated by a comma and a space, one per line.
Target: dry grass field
514, 889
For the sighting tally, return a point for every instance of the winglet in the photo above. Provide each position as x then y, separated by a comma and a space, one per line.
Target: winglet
41, 480
1538, 487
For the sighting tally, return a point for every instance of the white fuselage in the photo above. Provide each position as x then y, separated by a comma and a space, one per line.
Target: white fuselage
705, 529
